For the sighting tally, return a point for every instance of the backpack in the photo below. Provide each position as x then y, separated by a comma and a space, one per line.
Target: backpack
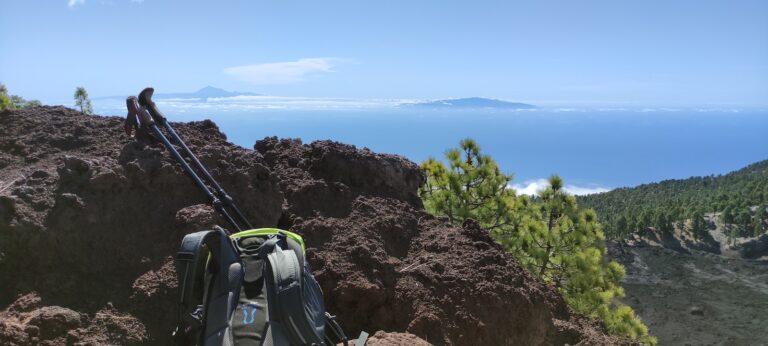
252, 288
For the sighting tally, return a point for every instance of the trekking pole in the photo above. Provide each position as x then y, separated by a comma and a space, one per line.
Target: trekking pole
146, 120
145, 99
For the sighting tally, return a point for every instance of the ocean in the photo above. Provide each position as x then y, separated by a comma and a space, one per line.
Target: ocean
592, 149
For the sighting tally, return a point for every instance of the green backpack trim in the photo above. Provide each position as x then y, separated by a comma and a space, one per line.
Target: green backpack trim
268, 232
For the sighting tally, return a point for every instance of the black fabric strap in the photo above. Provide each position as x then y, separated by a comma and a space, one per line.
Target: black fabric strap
188, 268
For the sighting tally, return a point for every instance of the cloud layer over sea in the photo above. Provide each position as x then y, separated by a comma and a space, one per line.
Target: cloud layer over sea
261, 103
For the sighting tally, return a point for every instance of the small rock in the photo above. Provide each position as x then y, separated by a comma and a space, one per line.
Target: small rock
26, 303
396, 339
54, 321
696, 310
12, 333
105, 180
72, 199
196, 217
76, 164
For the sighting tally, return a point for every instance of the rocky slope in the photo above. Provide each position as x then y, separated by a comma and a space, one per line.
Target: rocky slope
696, 297
708, 291
90, 220
715, 241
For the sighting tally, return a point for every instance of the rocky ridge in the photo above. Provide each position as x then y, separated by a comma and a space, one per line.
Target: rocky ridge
90, 220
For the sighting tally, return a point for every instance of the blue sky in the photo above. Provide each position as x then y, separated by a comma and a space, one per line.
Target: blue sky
659, 53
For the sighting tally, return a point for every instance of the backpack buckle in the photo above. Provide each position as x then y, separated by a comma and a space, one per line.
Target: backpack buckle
198, 313
184, 332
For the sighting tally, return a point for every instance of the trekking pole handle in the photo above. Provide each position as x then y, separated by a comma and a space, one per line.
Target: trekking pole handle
145, 118
145, 99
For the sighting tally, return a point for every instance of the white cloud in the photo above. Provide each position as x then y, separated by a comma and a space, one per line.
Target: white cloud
533, 187
73, 3
283, 102
247, 104
282, 72
530, 187
585, 190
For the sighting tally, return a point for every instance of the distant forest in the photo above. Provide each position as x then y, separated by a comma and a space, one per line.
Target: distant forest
671, 203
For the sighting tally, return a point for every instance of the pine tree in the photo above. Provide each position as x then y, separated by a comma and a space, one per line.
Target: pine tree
631, 224
472, 186
759, 220
82, 101
698, 225
549, 235
743, 219
726, 217
661, 222
622, 225
646, 218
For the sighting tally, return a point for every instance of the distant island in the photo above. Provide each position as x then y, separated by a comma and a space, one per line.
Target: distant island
471, 103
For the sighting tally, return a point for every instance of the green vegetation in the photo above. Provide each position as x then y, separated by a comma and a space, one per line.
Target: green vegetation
759, 220
698, 224
14, 101
5, 100
550, 236
672, 202
82, 100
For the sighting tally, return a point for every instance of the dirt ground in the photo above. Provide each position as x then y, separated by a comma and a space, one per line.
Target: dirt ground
90, 221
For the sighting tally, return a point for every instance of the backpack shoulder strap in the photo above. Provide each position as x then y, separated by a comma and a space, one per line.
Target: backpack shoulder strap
207, 309
189, 265
296, 311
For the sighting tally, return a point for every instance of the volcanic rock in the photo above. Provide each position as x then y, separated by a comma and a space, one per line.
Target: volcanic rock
90, 221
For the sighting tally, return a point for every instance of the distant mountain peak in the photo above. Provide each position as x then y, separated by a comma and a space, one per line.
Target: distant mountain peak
473, 103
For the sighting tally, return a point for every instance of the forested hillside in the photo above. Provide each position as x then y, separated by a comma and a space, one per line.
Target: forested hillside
669, 203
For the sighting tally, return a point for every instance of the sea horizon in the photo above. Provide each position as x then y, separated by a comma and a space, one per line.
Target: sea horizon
595, 149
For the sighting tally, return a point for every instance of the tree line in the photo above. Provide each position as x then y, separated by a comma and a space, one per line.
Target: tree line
741, 198
8, 101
